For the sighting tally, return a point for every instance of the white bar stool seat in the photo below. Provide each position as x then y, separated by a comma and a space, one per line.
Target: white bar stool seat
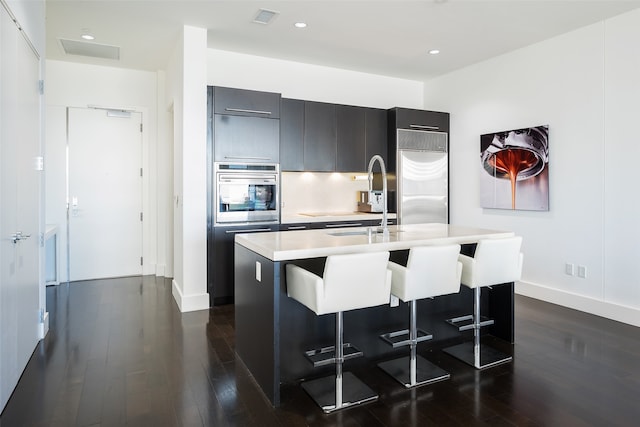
431, 271
495, 261
349, 282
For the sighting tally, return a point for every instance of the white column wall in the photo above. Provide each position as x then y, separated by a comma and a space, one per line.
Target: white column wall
190, 120
584, 86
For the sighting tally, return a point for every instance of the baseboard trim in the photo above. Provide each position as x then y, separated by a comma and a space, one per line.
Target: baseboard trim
619, 313
43, 328
160, 270
188, 303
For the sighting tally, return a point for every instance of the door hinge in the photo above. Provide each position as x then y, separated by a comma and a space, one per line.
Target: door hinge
141, 261
140, 127
41, 315
41, 87
140, 171
140, 216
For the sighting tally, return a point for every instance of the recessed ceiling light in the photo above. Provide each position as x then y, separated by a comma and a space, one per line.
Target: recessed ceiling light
300, 25
434, 52
85, 33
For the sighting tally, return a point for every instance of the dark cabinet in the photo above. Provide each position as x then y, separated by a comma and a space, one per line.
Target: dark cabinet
292, 135
221, 264
245, 125
241, 102
246, 139
319, 137
407, 118
375, 131
350, 122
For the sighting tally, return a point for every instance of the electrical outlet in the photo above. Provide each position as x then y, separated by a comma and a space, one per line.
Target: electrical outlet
582, 271
569, 269
258, 271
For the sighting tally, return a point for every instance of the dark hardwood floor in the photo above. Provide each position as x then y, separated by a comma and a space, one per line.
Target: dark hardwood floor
119, 353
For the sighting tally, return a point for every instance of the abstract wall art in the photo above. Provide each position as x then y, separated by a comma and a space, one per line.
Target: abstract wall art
515, 169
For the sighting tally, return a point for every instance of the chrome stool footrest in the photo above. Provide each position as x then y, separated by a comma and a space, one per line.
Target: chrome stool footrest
401, 338
327, 355
466, 323
426, 372
354, 392
488, 356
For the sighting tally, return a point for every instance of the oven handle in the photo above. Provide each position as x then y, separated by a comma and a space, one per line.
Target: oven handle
250, 230
246, 158
237, 177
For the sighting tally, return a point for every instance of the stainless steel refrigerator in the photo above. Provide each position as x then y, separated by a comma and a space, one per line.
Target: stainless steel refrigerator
422, 176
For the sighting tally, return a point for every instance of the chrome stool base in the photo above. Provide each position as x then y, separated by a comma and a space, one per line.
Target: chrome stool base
354, 392
488, 356
426, 372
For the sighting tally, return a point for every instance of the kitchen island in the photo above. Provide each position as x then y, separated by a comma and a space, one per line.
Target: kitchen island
273, 331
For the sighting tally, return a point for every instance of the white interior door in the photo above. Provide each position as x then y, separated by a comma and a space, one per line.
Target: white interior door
19, 204
105, 193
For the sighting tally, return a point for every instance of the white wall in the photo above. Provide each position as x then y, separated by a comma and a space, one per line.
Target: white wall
187, 92
310, 82
584, 86
80, 85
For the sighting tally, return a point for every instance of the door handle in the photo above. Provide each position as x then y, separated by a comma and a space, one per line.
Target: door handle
17, 236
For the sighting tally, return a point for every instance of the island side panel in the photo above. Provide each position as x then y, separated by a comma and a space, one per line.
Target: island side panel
256, 318
500, 304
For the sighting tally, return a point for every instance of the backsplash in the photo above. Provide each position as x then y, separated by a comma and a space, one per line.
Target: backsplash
310, 192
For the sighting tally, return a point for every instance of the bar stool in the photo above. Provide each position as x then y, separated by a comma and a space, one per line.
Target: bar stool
495, 261
349, 282
431, 271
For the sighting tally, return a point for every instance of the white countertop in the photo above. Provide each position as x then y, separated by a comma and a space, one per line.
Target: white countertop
291, 245
298, 218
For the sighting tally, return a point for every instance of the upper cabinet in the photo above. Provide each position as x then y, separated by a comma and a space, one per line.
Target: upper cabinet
246, 126
240, 102
292, 135
351, 139
375, 131
406, 118
319, 137
322, 137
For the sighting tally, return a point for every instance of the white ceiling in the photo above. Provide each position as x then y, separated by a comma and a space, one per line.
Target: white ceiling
381, 37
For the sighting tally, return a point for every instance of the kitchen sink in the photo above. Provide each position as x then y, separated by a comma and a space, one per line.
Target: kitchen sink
358, 233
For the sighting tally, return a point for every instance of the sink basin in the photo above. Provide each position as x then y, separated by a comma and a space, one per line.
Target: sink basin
350, 233
359, 233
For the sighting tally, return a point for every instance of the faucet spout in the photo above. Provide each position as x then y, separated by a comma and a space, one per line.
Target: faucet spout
383, 169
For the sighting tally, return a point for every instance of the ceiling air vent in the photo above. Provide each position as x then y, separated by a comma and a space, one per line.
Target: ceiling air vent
95, 50
264, 16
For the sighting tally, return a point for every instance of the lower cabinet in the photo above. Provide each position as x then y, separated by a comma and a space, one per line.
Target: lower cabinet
221, 261
221, 253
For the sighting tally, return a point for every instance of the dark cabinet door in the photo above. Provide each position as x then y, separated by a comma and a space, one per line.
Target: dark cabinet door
246, 139
422, 120
241, 102
319, 137
350, 154
221, 262
292, 135
375, 134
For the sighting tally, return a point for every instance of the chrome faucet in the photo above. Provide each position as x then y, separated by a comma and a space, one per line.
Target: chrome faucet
383, 169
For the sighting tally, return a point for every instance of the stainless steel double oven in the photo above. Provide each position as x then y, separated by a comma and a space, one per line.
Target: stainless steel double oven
246, 193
